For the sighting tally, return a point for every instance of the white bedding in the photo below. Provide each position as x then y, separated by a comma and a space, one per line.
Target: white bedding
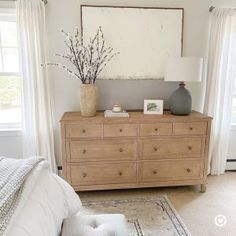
46, 201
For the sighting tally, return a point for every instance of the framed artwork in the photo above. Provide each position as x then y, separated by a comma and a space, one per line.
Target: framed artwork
144, 36
153, 107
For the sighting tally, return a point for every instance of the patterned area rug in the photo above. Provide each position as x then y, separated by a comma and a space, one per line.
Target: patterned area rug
146, 216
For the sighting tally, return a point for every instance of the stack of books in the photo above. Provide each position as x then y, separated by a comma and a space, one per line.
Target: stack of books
110, 113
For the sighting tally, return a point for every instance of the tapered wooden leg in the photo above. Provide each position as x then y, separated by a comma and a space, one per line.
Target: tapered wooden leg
203, 188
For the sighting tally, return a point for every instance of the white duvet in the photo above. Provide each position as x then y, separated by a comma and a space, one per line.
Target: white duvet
46, 201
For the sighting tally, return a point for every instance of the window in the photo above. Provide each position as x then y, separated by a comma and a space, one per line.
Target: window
10, 79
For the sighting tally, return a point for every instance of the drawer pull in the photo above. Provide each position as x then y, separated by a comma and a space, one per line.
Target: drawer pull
189, 147
120, 173
156, 129
84, 130
190, 128
84, 175
154, 172
121, 130
121, 150
84, 151
188, 170
155, 149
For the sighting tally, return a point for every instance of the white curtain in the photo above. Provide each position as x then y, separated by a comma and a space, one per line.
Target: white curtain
220, 84
38, 128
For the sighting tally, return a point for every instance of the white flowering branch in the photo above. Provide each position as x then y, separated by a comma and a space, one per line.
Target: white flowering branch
88, 60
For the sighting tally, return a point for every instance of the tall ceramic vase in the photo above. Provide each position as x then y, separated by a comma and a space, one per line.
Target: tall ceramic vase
88, 99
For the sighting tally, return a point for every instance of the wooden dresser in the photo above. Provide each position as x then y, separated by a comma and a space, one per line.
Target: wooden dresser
140, 151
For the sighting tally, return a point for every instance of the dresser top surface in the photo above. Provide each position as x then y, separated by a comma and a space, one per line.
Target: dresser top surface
134, 116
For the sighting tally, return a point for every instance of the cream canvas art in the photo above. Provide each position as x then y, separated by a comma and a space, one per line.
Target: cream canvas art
145, 37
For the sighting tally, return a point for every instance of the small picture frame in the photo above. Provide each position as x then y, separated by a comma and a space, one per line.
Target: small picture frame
154, 107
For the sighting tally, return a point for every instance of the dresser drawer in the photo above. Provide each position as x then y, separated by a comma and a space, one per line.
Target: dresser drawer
120, 130
95, 150
155, 129
83, 131
172, 148
103, 173
171, 170
190, 128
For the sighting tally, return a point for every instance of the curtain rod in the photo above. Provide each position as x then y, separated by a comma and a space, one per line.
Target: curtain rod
212, 8
44, 1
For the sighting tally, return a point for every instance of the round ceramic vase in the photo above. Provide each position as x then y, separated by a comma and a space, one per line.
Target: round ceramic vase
88, 99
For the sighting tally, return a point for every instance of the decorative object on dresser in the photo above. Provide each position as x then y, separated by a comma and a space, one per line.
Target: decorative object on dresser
182, 69
139, 151
153, 107
111, 113
88, 62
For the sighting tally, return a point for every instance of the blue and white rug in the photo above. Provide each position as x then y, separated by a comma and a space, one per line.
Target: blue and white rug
146, 216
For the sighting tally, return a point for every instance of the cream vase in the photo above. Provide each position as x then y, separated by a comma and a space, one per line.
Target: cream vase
88, 99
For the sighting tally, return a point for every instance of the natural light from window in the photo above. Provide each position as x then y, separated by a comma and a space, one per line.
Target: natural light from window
10, 80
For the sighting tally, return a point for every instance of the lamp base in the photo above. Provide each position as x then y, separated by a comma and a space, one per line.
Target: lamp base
181, 101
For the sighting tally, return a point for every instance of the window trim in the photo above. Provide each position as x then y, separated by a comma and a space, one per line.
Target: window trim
8, 13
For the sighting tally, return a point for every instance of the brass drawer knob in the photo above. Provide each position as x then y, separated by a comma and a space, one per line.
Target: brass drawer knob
121, 130
155, 149
84, 151
190, 128
84, 130
190, 148
84, 175
156, 129
120, 173
188, 170
154, 172
121, 150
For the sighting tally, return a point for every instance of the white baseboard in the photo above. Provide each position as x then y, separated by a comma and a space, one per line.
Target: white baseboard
231, 165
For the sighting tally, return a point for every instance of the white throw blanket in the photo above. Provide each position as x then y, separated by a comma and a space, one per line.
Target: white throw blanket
13, 173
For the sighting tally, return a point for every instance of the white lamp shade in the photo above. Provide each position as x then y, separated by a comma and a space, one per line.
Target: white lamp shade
183, 69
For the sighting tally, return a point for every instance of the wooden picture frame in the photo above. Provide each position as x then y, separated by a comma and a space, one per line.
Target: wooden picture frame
144, 36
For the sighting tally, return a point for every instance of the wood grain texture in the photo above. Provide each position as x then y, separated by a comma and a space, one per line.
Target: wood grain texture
108, 173
120, 130
140, 151
97, 150
172, 147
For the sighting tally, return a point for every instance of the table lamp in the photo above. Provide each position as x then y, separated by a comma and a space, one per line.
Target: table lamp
182, 69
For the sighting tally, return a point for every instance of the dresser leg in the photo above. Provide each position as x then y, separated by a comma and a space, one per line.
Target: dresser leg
203, 188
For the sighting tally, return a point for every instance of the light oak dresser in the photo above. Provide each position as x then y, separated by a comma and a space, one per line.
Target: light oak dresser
135, 152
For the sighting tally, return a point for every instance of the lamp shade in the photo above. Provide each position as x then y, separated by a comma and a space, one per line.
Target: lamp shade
183, 69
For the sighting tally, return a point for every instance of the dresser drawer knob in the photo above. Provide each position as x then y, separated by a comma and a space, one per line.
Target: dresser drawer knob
155, 149
190, 148
190, 128
121, 130
120, 173
188, 170
84, 175
84, 151
156, 129
84, 130
121, 150
154, 172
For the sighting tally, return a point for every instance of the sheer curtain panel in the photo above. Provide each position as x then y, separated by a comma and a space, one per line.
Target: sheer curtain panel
220, 84
38, 128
